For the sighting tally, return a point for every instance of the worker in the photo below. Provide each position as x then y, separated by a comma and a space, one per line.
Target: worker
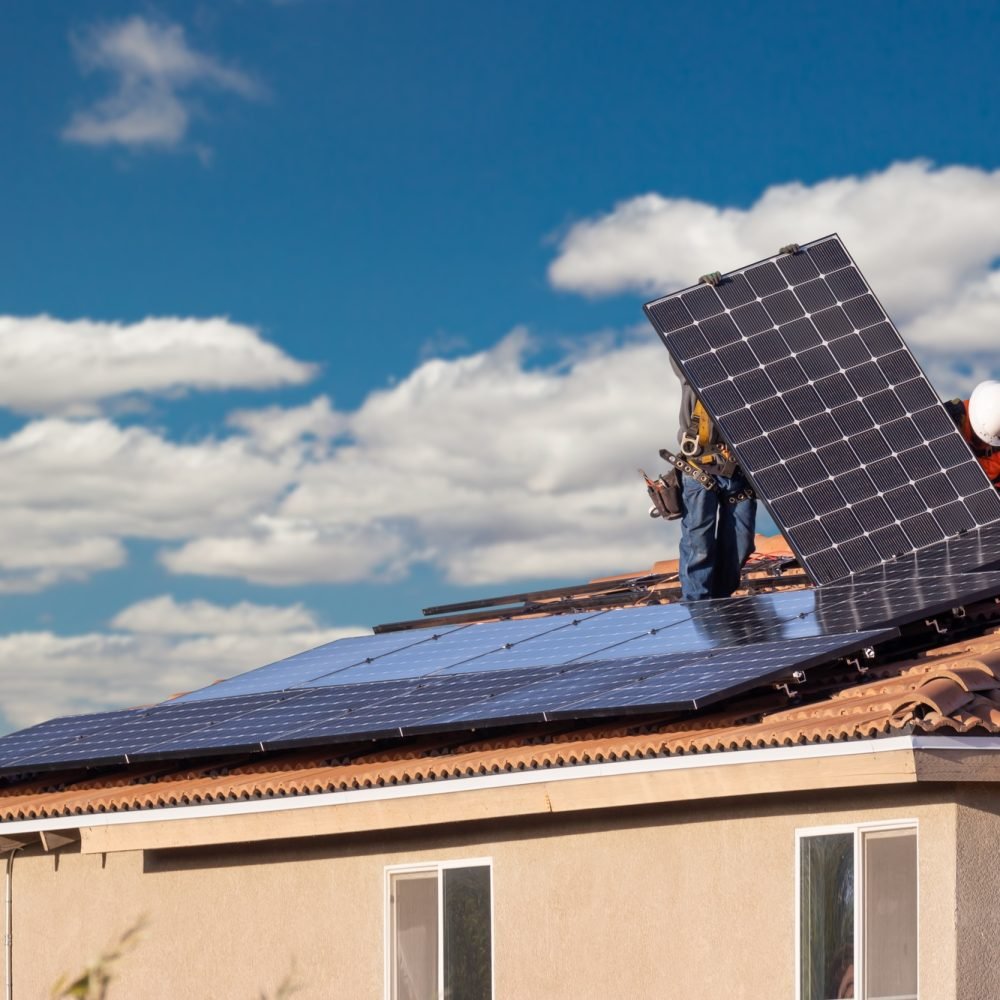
978, 419
719, 511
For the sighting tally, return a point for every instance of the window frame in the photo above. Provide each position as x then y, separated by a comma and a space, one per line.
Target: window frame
858, 830
438, 868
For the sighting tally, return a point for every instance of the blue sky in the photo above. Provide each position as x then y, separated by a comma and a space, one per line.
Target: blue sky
439, 207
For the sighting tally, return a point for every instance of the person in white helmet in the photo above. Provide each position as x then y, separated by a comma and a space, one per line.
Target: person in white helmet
978, 418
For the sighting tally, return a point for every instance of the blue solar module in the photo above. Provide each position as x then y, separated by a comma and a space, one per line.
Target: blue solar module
470, 646
899, 601
709, 679
110, 737
369, 710
55, 732
339, 655
976, 550
399, 708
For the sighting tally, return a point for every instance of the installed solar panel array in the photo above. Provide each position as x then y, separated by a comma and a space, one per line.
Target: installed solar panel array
634, 660
827, 411
665, 657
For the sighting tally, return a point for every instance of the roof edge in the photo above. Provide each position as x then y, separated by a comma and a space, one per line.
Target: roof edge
915, 758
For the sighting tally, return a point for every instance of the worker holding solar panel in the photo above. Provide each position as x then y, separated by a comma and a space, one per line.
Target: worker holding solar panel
829, 415
978, 418
712, 497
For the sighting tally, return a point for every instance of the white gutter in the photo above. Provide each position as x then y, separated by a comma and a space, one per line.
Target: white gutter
575, 772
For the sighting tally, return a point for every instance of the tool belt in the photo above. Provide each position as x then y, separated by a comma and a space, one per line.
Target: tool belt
681, 466
686, 468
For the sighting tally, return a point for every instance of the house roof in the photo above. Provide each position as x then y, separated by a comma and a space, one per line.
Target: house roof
954, 689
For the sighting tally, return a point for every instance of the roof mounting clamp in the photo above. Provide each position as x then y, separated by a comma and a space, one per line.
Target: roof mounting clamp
797, 677
958, 612
854, 661
938, 627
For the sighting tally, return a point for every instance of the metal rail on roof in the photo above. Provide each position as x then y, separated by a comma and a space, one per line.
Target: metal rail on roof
764, 573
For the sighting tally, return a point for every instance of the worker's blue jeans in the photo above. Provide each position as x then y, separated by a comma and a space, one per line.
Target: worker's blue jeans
716, 537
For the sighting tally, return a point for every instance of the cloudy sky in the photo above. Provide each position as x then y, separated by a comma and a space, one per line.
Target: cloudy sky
314, 313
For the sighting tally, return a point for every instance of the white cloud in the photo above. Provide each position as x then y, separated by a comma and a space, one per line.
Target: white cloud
274, 427
51, 365
165, 616
45, 675
919, 233
481, 466
155, 70
74, 489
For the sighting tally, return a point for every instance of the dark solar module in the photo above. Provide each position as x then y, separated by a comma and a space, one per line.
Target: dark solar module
831, 369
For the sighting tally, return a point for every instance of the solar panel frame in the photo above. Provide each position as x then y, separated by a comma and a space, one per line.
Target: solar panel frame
846, 373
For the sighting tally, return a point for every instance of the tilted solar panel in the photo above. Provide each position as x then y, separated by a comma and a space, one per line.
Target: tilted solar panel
825, 408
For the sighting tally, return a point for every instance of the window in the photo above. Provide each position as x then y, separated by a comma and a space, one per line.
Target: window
440, 932
857, 912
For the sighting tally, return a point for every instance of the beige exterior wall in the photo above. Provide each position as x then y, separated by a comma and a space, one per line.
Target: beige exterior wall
978, 892
694, 902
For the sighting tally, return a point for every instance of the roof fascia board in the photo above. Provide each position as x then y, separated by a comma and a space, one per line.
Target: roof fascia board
890, 760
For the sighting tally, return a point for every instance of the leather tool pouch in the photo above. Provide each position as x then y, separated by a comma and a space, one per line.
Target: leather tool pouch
665, 495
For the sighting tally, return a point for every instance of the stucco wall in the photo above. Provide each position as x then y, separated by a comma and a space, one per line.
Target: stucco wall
688, 902
978, 893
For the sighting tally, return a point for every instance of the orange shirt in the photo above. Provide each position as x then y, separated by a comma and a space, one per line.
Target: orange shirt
989, 458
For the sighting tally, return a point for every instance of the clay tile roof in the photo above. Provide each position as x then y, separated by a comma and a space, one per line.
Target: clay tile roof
954, 689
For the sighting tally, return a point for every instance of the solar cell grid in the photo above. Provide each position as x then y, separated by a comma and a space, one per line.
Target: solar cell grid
468, 647
326, 659
110, 737
828, 369
672, 685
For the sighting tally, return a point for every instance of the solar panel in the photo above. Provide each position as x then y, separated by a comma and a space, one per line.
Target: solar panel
473, 646
397, 708
975, 551
339, 655
54, 732
665, 681
826, 410
487, 686
333, 714
110, 737
634, 659
898, 600
733, 670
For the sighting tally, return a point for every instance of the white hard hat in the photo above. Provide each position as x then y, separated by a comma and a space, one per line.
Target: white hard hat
984, 412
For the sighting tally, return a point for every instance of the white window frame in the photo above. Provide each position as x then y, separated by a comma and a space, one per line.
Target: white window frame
438, 867
858, 830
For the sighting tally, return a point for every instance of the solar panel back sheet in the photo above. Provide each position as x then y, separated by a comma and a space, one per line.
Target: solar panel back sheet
826, 410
